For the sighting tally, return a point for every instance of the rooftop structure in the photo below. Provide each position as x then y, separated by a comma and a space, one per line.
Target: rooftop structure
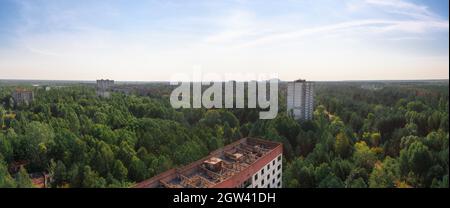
246, 163
300, 99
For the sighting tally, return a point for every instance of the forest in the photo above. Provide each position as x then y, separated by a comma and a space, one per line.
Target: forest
363, 135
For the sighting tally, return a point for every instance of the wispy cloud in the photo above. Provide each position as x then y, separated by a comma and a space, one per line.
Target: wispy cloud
404, 8
420, 20
114, 37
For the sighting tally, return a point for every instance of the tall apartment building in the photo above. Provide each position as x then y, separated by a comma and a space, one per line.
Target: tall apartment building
300, 99
103, 87
246, 163
22, 96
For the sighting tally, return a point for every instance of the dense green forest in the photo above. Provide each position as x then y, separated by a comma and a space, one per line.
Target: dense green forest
390, 135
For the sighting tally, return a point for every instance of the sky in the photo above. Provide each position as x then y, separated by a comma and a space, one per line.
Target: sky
151, 40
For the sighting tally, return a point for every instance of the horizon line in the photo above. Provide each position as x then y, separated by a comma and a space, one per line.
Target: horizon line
143, 81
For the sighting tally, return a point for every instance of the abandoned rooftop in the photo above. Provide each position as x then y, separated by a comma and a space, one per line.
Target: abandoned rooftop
233, 162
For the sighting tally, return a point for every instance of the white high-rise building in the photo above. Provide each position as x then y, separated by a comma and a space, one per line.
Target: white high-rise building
103, 87
300, 99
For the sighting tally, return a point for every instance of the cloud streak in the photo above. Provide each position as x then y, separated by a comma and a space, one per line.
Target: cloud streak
156, 38
404, 8
420, 21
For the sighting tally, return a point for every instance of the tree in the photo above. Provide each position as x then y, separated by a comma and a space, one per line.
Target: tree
287, 127
23, 179
126, 153
189, 152
375, 139
417, 158
407, 141
342, 145
417, 106
60, 174
356, 122
341, 168
440, 183
119, 171
2, 115
159, 164
6, 148
138, 169
299, 174
100, 117
385, 175
356, 183
103, 158
211, 118
85, 141
33, 144
435, 141
364, 156
91, 179
6, 181
331, 181
434, 120
322, 171
245, 129
75, 175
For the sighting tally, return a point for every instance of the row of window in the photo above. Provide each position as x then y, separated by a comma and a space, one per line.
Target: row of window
268, 175
268, 167
262, 184
268, 186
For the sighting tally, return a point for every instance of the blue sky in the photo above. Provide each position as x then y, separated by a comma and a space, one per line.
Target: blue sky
153, 39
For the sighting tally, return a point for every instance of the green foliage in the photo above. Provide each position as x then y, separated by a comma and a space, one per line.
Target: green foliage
356, 183
393, 136
6, 181
6, 148
364, 156
342, 145
91, 179
23, 179
385, 175
137, 169
374, 138
59, 173
331, 181
119, 171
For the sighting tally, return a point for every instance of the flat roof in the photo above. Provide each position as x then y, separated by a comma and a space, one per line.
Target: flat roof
219, 166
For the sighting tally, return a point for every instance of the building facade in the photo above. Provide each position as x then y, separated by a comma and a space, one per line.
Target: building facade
270, 175
103, 87
300, 99
246, 163
22, 96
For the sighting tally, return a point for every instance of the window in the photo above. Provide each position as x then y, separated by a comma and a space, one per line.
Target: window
278, 176
256, 176
273, 172
262, 171
279, 158
268, 176
262, 182
279, 184
257, 185
273, 162
268, 167
247, 183
273, 181
279, 167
